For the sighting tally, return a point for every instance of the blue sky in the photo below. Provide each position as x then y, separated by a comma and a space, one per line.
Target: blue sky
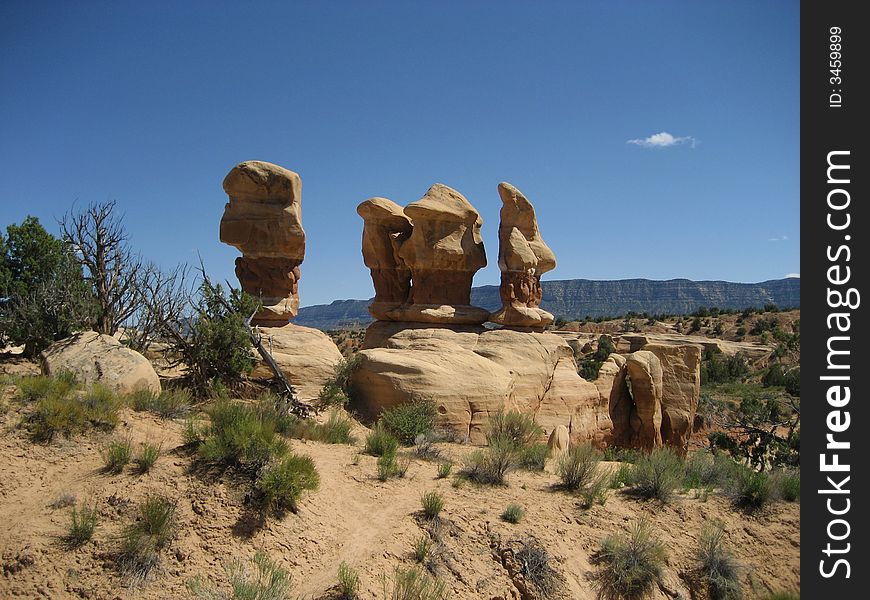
152, 103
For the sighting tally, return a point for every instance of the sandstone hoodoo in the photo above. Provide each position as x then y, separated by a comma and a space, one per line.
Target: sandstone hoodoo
523, 257
263, 219
442, 249
386, 229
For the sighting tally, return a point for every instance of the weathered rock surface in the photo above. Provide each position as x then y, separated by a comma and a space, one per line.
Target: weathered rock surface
263, 219
637, 417
443, 253
632, 342
97, 358
559, 441
681, 389
470, 372
306, 356
386, 229
522, 257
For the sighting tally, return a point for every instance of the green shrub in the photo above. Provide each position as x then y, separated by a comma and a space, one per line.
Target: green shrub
83, 523
31, 389
336, 430
389, 466
407, 421
658, 474
413, 584
432, 504
282, 484
422, 548
623, 476
142, 541
66, 411
444, 470
751, 490
533, 457
513, 513
789, 484
148, 455
269, 582
240, 436
332, 395
512, 428
348, 582
631, 564
577, 467
117, 454
192, 434
619, 454
169, 404
717, 567
336, 391
706, 470
595, 491
380, 441
491, 464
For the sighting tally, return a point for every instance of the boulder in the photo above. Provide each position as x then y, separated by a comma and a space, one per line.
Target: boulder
263, 219
306, 356
470, 372
522, 258
681, 388
97, 358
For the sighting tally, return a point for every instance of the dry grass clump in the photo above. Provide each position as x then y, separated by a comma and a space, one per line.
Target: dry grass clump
717, 567
444, 469
491, 464
168, 404
413, 584
269, 581
147, 457
658, 475
142, 541
83, 523
632, 564
511, 443
348, 582
391, 467
432, 504
535, 566
117, 455
577, 467
751, 490
533, 457
422, 548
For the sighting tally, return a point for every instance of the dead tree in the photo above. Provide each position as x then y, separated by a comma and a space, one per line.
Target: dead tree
98, 238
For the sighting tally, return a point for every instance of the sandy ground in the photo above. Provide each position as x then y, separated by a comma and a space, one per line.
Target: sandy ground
353, 517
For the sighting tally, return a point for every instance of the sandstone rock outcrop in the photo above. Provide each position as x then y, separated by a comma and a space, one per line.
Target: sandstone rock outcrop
443, 252
637, 413
522, 258
97, 358
471, 372
386, 229
306, 356
263, 219
681, 389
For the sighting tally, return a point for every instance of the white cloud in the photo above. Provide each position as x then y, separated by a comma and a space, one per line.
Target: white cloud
798, 275
782, 238
663, 140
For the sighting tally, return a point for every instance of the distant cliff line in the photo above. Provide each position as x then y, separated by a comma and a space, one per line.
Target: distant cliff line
579, 298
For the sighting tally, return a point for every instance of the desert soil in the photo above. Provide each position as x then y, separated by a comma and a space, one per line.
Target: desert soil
355, 518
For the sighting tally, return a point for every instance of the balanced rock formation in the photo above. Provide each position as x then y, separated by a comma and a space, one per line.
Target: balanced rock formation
522, 257
98, 358
306, 356
637, 413
386, 229
263, 219
470, 372
443, 253
559, 441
